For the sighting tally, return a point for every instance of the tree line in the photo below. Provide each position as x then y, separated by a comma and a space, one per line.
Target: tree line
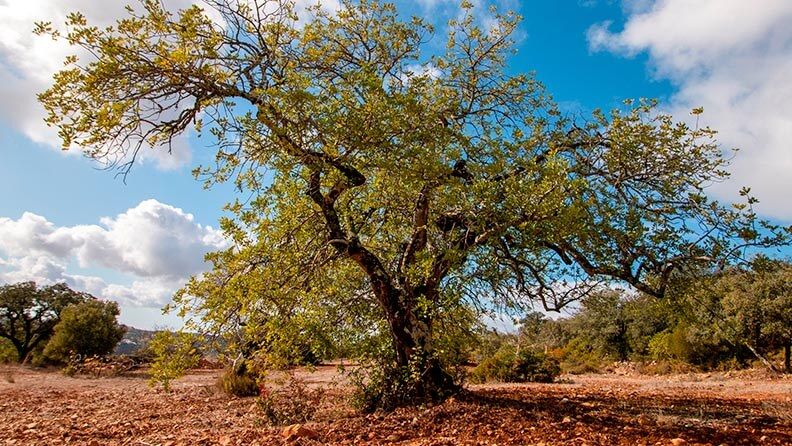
724, 320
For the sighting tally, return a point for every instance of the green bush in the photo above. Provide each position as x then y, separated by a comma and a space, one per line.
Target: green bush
8, 353
238, 383
532, 366
660, 346
510, 365
578, 356
85, 329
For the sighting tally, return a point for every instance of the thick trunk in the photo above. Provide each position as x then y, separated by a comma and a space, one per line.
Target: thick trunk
22, 351
787, 354
412, 343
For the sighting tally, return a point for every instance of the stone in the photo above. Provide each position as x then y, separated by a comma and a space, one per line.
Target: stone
296, 431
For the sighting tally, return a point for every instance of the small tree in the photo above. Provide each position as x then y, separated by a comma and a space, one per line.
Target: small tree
85, 329
28, 314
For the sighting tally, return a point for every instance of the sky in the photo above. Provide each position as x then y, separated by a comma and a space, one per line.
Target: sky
137, 240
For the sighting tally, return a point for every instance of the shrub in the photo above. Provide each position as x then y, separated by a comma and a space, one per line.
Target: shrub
578, 356
8, 353
510, 365
497, 367
384, 387
238, 383
531, 366
86, 329
293, 402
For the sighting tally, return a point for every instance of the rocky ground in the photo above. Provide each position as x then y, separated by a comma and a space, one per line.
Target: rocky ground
47, 408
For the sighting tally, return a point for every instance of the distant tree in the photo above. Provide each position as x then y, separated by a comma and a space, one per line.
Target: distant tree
758, 306
28, 314
387, 180
88, 328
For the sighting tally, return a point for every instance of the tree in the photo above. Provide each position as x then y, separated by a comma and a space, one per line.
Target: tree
757, 303
86, 329
389, 187
28, 314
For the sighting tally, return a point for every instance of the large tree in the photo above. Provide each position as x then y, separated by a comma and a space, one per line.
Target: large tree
28, 314
391, 183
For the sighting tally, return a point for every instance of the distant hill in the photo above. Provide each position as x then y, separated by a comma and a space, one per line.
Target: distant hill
134, 339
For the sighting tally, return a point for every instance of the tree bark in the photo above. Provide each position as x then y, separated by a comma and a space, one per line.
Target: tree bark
787, 354
412, 343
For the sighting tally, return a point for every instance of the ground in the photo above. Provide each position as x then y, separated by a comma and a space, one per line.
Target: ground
47, 408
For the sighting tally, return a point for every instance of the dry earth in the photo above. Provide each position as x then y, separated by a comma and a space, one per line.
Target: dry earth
47, 408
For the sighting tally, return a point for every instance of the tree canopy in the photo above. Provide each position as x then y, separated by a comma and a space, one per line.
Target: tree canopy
86, 329
758, 303
393, 186
28, 314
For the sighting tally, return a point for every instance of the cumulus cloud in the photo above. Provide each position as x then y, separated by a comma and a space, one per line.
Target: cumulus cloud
158, 246
734, 58
27, 63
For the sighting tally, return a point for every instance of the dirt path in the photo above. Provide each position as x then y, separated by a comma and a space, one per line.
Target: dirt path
47, 408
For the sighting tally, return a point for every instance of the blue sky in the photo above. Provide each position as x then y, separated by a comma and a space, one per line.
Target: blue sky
63, 218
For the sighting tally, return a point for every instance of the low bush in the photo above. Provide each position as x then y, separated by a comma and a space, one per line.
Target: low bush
87, 329
8, 353
508, 364
238, 383
578, 357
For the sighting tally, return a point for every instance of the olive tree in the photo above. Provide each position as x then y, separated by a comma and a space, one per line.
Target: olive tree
389, 182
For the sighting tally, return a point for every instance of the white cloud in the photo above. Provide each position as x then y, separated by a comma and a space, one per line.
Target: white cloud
27, 63
157, 245
734, 58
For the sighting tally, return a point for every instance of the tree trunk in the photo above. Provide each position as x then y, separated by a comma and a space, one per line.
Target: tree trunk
787, 354
22, 351
415, 357
759, 356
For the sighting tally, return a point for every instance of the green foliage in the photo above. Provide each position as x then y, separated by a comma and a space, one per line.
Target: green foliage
385, 387
7, 352
510, 364
757, 305
383, 200
578, 356
86, 329
174, 353
28, 315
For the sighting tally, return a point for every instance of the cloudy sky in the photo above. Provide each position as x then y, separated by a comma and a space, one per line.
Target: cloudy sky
64, 219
